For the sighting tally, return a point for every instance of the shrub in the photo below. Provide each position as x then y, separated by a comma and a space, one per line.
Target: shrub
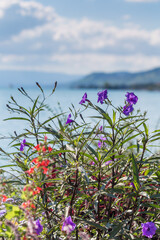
80, 180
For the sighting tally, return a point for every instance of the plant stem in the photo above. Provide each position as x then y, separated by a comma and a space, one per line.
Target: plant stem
74, 192
99, 187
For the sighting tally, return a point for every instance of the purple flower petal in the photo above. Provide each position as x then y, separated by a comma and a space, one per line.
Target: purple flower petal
131, 98
92, 163
69, 120
127, 109
132, 184
10, 200
102, 138
39, 227
84, 98
68, 225
148, 229
102, 96
23, 144
108, 162
101, 128
101, 142
2, 212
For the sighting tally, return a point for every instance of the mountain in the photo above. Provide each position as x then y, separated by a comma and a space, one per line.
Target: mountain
121, 80
29, 78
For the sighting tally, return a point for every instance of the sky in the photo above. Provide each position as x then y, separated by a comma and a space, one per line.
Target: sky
79, 36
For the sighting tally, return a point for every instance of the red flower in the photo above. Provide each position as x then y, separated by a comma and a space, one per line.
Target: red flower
4, 198
37, 147
44, 163
33, 206
35, 160
30, 171
38, 190
28, 204
50, 149
45, 170
44, 149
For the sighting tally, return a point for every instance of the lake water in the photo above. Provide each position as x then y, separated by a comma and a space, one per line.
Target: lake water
147, 101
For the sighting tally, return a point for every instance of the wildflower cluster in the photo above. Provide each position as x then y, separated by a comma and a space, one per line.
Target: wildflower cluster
82, 181
131, 99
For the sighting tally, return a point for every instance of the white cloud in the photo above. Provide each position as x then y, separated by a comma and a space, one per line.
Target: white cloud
106, 63
79, 63
60, 44
29, 8
126, 17
89, 35
11, 58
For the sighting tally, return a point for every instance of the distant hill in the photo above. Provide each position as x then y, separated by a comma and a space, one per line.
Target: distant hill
121, 80
29, 78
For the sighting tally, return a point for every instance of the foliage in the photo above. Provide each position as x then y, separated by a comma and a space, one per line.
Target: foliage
80, 180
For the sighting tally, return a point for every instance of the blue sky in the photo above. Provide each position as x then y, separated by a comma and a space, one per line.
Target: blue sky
79, 36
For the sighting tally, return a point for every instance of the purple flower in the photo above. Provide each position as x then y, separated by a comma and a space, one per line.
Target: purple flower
108, 162
103, 138
84, 98
39, 227
102, 96
127, 109
23, 144
132, 184
2, 212
131, 98
68, 225
101, 128
10, 200
69, 120
148, 229
92, 163
101, 143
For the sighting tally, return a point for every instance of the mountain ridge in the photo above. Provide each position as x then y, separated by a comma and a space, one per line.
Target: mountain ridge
149, 79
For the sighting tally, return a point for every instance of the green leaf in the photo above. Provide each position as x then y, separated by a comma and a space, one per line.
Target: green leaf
83, 172
34, 105
93, 224
146, 129
114, 117
135, 173
17, 118
115, 230
12, 211
155, 196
